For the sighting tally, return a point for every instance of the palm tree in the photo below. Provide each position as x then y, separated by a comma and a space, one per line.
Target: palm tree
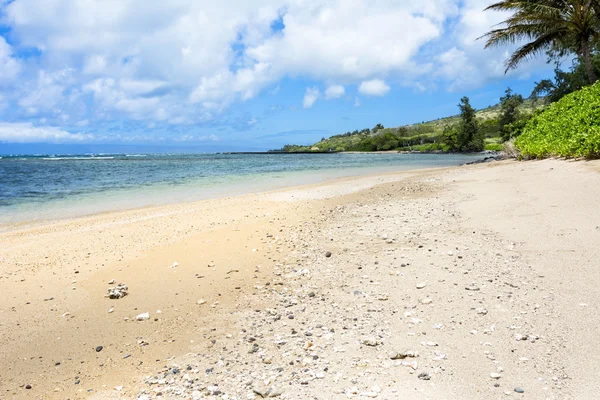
558, 26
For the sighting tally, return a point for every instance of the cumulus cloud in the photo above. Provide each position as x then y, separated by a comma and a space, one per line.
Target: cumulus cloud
334, 92
27, 133
185, 62
311, 95
9, 66
374, 87
465, 63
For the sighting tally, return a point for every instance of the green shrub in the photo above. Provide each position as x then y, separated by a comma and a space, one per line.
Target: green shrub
493, 147
568, 128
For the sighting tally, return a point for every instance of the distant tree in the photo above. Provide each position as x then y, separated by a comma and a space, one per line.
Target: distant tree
402, 131
366, 144
385, 141
469, 137
490, 127
450, 137
509, 106
377, 127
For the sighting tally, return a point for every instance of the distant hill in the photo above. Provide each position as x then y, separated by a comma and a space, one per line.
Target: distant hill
424, 136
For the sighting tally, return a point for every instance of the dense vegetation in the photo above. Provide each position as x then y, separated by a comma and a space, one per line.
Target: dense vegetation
483, 131
567, 128
570, 126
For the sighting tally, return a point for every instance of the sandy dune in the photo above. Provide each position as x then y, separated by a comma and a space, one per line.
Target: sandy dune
488, 274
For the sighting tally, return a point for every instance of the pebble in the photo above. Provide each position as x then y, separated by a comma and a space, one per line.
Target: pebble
267, 392
424, 376
99, 349
143, 317
403, 354
519, 390
370, 341
117, 292
28, 387
495, 375
328, 254
421, 285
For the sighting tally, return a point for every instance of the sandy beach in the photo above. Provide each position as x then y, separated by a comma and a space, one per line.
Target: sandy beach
470, 282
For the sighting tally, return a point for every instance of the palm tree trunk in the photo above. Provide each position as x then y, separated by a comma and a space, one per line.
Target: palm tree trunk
587, 59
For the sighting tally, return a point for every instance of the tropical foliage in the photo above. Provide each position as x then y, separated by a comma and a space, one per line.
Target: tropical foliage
510, 114
567, 128
564, 82
556, 27
465, 136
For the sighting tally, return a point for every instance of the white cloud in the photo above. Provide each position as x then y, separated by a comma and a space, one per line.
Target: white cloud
334, 92
465, 63
374, 87
311, 95
187, 61
9, 67
27, 133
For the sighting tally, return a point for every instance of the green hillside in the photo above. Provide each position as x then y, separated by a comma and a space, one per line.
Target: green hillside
425, 136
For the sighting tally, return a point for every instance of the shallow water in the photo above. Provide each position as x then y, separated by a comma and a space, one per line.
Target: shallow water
51, 187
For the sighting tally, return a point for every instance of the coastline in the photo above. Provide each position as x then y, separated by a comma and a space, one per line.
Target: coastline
55, 276
45, 205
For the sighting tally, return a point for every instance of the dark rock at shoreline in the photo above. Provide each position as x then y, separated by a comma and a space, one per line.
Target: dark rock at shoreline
486, 160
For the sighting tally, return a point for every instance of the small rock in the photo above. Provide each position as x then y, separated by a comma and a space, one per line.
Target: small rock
99, 349
143, 317
267, 392
118, 291
370, 341
28, 387
495, 375
519, 390
424, 376
403, 354
421, 285
328, 254
174, 265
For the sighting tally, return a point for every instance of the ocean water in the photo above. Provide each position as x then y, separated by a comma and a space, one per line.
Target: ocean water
46, 187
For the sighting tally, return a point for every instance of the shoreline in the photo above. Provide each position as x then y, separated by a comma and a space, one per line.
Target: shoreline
223, 191
244, 256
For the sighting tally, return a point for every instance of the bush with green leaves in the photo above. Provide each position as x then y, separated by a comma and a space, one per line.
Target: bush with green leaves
567, 128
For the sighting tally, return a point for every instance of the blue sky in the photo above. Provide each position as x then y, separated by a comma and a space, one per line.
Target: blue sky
120, 75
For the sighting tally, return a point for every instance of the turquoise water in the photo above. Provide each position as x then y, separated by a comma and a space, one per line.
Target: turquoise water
50, 187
